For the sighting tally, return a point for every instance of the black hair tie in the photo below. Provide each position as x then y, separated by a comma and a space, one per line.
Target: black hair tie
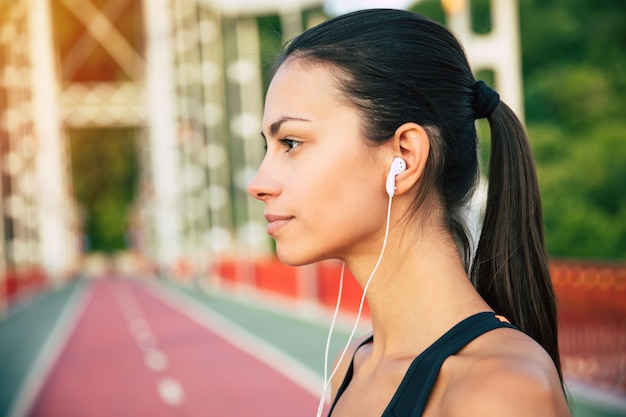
485, 100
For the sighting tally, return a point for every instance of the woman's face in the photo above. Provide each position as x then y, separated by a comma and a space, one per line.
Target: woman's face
323, 187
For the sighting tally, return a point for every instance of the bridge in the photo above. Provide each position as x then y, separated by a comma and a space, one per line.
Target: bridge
184, 81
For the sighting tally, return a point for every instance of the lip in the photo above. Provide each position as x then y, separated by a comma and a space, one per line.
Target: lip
276, 222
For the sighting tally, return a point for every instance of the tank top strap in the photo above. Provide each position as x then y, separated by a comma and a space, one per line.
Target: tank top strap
349, 373
422, 373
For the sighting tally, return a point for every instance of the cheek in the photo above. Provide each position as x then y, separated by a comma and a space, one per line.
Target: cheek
345, 199
337, 185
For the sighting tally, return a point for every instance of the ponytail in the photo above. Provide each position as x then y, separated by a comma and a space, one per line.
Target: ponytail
510, 269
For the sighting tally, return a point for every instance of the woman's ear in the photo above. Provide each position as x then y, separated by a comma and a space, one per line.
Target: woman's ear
411, 140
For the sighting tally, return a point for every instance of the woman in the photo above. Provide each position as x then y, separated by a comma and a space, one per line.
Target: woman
349, 99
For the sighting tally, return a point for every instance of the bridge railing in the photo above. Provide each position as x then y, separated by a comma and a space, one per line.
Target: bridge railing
591, 307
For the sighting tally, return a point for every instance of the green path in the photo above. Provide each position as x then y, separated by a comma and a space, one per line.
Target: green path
23, 332
302, 339
584, 404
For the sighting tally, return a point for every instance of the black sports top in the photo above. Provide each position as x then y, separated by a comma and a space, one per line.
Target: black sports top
411, 396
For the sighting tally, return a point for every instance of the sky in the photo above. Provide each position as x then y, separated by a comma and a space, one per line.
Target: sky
335, 7
332, 7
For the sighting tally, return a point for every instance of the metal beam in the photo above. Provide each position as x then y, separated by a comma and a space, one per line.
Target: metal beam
105, 104
87, 43
99, 26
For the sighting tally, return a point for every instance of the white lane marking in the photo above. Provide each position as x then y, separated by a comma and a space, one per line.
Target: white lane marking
245, 341
171, 392
155, 360
147, 343
138, 325
145, 338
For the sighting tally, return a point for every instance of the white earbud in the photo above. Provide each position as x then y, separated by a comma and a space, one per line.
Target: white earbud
397, 166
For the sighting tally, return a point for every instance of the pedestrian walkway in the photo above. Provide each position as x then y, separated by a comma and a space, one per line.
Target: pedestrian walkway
132, 354
149, 347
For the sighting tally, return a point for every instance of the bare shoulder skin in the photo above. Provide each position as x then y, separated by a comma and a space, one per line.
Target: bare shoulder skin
503, 372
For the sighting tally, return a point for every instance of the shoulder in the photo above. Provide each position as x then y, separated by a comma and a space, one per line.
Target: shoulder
342, 367
506, 373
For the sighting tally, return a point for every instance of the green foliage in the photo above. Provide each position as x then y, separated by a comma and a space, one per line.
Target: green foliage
574, 62
574, 67
271, 41
432, 9
583, 189
104, 167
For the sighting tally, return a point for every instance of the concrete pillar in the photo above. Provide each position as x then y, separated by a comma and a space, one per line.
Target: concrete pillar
162, 130
59, 243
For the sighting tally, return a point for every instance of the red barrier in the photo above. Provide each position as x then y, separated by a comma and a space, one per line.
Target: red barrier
329, 274
272, 276
11, 283
591, 306
19, 283
226, 270
275, 277
592, 321
35, 279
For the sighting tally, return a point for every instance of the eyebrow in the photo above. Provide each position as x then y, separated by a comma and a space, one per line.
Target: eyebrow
274, 127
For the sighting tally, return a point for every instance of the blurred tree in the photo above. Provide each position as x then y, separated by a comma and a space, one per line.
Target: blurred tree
574, 66
574, 63
104, 175
271, 41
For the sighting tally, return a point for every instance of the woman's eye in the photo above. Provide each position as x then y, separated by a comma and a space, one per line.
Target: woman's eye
290, 143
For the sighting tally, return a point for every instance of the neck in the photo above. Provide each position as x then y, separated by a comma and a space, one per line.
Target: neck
419, 291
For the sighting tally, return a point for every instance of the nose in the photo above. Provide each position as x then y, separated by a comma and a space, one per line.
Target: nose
264, 185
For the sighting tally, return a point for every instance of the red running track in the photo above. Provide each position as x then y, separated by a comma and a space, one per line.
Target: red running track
133, 355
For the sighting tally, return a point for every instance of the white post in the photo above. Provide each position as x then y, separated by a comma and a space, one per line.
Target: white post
246, 124
59, 247
162, 130
498, 50
291, 22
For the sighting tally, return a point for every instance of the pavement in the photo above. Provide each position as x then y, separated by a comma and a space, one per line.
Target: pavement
130, 347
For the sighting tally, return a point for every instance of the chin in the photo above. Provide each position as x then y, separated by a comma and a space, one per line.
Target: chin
295, 259
291, 261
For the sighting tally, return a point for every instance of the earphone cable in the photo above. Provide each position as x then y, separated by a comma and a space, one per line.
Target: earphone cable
345, 349
330, 333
